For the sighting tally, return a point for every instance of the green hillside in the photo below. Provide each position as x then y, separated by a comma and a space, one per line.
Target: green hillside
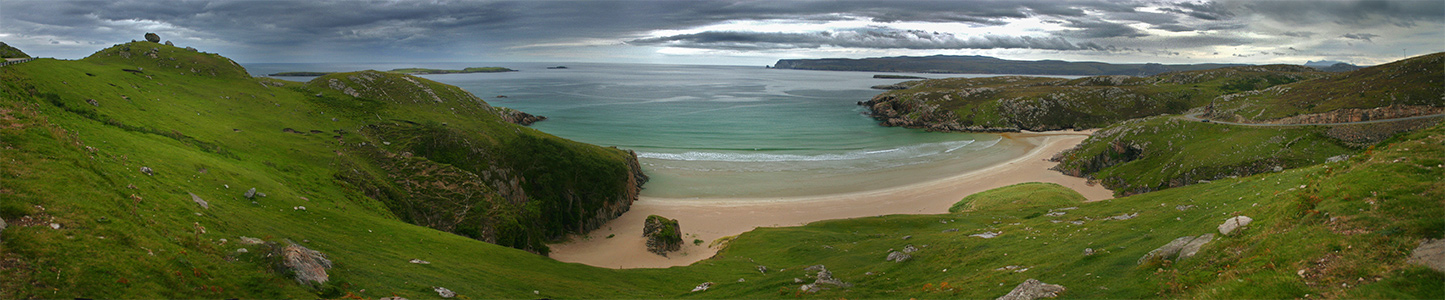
1012, 103
6, 51
1412, 86
107, 161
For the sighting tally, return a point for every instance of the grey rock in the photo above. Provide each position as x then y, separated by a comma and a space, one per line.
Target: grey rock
242, 250
308, 265
1430, 253
1183, 207
1193, 246
1088, 251
896, 256
1178, 249
797, 280
907, 237
1234, 223
810, 288
815, 268
986, 235
1337, 158
909, 249
1033, 289
200, 201
702, 287
1124, 216
951, 230
251, 193
444, 292
825, 277
147, 171
251, 241
168, 43
152, 37
763, 269
419, 262
742, 280
1278, 169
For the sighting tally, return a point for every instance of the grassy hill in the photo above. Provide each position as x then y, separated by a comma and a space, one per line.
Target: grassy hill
1012, 103
1156, 153
6, 51
394, 173
1407, 87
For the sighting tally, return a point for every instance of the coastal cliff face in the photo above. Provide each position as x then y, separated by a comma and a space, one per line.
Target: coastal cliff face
1014, 103
1404, 88
449, 161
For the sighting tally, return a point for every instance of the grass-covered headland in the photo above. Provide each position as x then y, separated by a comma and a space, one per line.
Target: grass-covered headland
128, 174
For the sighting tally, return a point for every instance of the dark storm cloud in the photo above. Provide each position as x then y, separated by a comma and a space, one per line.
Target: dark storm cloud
1360, 36
1101, 29
1303, 34
866, 38
1358, 13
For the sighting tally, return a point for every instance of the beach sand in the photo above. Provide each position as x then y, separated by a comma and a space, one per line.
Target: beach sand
709, 219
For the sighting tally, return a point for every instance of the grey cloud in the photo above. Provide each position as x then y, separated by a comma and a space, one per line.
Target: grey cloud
867, 38
1303, 34
1360, 36
1101, 29
1355, 12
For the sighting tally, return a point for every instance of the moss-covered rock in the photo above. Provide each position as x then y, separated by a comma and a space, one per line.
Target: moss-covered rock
663, 235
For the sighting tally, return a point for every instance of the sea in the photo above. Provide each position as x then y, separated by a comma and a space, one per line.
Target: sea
723, 132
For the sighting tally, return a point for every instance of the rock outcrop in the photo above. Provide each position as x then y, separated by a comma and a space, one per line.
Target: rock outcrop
822, 277
1178, 249
518, 117
1234, 223
1033, 289
1430, 253
307, 265
663, 235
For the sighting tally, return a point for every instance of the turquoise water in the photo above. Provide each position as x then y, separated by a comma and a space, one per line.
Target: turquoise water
727, 131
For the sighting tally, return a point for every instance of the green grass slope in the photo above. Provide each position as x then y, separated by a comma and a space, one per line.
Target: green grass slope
7, 51
333, 169
1012, 103
1151, 154
1030, 195
1415, 86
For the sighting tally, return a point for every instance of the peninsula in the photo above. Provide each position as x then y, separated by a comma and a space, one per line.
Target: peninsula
409, 71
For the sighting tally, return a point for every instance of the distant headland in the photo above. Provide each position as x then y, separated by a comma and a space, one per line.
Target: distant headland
411, 71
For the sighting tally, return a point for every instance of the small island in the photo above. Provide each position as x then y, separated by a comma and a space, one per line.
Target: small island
557, 67
885, 76
412, 71
422, 71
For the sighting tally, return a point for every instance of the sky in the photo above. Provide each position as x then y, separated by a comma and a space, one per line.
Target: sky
738, 32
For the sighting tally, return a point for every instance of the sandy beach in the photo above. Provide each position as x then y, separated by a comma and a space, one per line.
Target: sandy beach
709, 219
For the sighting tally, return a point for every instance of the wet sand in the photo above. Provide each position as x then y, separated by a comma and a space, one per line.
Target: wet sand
709, 219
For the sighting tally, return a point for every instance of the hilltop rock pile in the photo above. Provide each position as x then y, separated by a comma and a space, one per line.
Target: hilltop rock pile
663, 235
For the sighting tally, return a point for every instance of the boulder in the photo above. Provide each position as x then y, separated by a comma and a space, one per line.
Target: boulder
1430, 253
444, 292
147, 171
251, 193
1178, 249
152, 37
1088, 251
663, 235
199, 201
418, 261
168, 43
1033, 289
909, 249
308, 265
987, 235
251, 241
896, 256
702, 287
1234, 223
763, 269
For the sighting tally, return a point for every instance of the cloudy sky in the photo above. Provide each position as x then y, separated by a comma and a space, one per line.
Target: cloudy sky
739, 32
